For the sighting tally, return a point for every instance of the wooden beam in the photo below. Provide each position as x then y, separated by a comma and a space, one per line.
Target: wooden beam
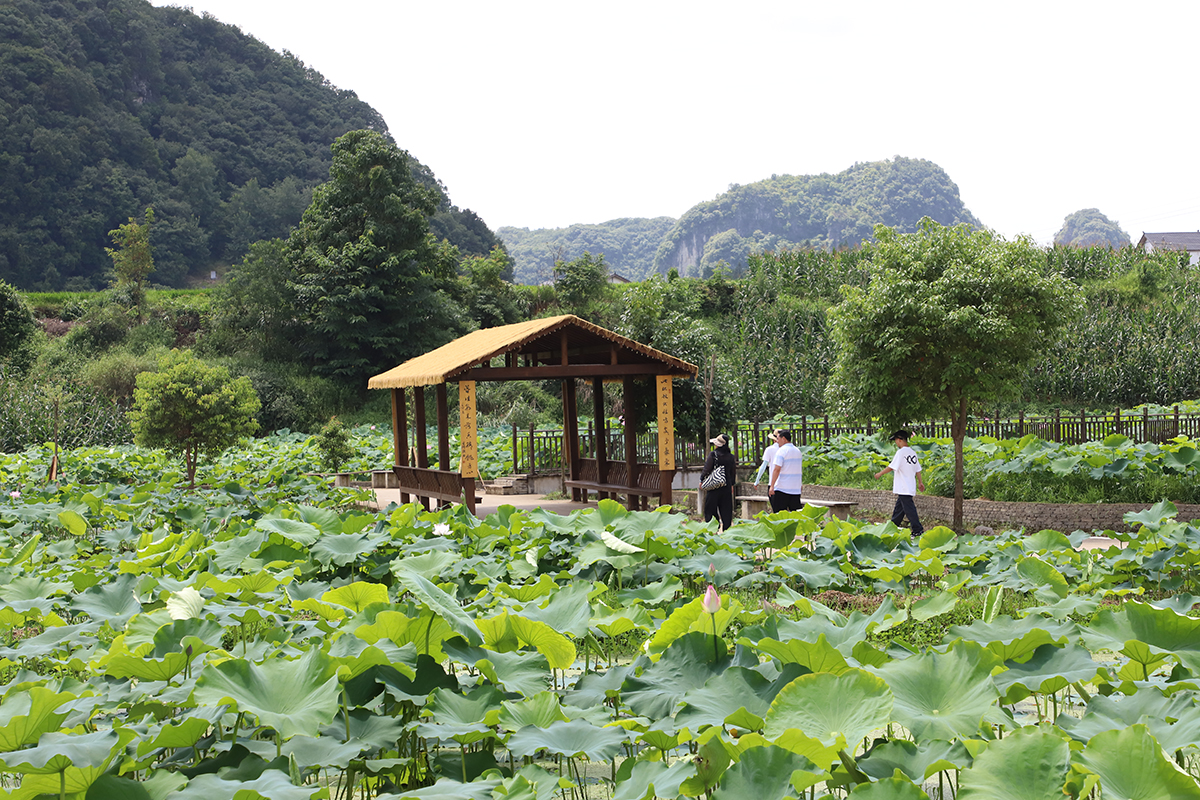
557, 371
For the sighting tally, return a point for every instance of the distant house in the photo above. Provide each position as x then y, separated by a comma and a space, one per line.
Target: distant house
616, 277
1188, 241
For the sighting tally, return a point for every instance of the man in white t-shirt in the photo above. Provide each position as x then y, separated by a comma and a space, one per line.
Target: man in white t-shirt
787, 473
768, 458
905, 481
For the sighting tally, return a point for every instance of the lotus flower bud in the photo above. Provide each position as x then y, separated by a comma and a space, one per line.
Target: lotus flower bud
712, 601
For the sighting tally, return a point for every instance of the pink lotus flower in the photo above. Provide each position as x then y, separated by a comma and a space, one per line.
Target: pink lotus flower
712, 601
14, 494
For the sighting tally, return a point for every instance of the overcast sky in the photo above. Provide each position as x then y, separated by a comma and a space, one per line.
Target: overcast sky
545, 114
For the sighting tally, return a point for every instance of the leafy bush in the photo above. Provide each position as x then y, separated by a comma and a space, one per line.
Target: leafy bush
192, 408
17, 328
114, 374
334, 443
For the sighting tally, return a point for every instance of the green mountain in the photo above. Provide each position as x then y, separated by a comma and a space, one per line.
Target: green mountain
628, 246
782, 213
821, 211
108, 106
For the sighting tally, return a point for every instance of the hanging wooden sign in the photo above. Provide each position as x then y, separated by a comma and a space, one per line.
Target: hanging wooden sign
468, 436
666, 423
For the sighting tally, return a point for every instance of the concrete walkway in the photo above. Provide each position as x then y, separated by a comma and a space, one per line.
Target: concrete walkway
491, 502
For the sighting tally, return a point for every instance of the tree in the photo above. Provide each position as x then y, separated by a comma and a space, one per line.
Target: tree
581, 282
361, 261
949, 322
192, 408
1089, 228
132, 261
17, 327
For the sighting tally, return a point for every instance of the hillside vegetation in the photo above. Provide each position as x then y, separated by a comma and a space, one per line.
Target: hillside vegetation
784, 212
110, 106
628, 246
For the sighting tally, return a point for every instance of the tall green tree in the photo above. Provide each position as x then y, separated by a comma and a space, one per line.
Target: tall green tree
132, 260
948, 324
362, 265
192, 408
581, 283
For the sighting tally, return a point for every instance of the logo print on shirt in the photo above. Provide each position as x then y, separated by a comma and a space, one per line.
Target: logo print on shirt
911, 459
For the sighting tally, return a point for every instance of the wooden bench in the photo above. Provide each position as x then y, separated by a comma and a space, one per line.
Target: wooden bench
753, 505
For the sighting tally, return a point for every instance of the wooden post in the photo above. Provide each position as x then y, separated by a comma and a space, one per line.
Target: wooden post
1021, 424
666, 437
468, 440
422, 460
1057, 425
400, 432
601, 436
630, 442
443, 423
1117, 420
514, 450
827, 437
571, 435
1176, 433
1083, 427
1145, 424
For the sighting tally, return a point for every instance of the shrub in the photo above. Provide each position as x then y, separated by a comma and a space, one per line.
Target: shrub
17, 328
192, 408
115, 373
334, 443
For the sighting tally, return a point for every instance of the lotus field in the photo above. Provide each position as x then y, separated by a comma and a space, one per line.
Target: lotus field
265, 637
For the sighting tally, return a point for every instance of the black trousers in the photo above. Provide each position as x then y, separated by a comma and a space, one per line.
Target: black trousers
719, 503
782, 501
906, 506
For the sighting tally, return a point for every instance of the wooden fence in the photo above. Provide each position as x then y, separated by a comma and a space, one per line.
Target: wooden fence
540, 451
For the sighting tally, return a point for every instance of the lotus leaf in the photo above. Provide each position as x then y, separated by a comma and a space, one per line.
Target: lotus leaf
1049, 669
460, 717
1131, 766
539, 710
291, 697
916, 761
272, 784
439, 603
724, 695
1013, 639
449, 789
566, 611
357, 596
838, 710
818, 656
26, 715
1159, 630
291, 530
1174, 721
943, 695
115, 602
1029, 764
688, 663
573, 739
646, 780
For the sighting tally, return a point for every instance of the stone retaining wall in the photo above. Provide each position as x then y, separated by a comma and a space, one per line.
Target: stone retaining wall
1032, 517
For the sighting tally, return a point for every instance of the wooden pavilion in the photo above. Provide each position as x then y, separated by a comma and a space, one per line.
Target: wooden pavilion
564, 348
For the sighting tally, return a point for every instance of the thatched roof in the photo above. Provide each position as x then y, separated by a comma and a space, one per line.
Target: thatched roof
591, 351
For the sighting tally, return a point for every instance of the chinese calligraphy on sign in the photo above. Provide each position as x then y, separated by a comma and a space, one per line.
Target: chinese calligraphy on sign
666, 423
468, 465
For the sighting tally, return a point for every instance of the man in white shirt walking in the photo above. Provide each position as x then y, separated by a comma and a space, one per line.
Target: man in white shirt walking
905, 481
787, 473
768, 458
